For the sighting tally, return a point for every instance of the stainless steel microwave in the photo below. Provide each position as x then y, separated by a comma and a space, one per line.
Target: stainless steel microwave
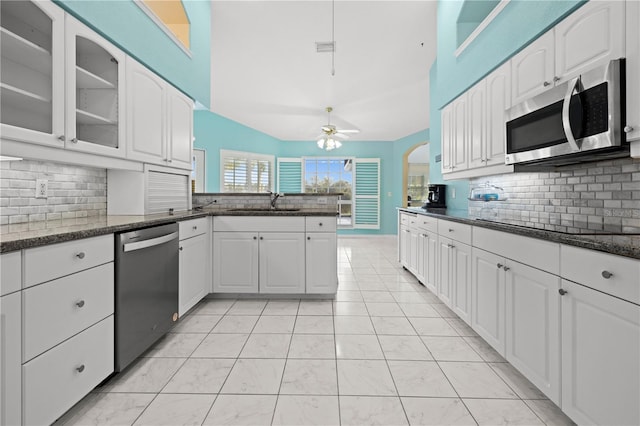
575, 121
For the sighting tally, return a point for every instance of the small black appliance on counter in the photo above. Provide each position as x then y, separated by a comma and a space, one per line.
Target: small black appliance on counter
436, 198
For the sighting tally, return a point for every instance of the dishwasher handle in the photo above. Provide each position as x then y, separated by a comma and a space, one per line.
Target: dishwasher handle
149, 243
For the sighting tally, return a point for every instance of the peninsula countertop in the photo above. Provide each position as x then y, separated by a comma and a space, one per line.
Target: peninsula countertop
627, 245
34, 234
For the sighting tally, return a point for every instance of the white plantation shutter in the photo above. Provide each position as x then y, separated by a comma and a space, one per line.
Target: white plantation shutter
245, 171
366, 193
290, 175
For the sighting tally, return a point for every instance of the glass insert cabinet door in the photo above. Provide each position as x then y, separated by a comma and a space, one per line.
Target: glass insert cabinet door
32, 72
94, 92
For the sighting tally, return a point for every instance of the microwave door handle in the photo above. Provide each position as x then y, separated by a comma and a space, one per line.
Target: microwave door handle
566, 121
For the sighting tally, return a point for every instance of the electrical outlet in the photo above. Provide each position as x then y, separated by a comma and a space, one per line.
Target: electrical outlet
42, 188
322, 200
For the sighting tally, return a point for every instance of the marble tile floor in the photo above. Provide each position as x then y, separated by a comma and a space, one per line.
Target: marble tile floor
384, 352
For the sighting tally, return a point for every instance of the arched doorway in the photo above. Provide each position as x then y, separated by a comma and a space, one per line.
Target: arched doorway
415, 175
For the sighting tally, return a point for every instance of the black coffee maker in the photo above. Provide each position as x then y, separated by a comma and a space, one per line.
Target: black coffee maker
436, 198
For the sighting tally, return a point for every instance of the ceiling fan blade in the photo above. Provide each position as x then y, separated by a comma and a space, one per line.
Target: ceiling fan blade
348, 131
339, 136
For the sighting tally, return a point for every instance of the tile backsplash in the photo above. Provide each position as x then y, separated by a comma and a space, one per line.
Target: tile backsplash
593, 197
73, 192
289, 201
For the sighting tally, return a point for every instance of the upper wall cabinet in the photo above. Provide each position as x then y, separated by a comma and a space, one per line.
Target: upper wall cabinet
591, 36
32, 74
532, 69
159, 129
633, 76
95, 92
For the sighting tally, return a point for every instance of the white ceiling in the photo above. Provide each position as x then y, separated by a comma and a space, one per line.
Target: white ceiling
267, 75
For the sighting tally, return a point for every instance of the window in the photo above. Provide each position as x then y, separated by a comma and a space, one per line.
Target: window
246, 171
331, 175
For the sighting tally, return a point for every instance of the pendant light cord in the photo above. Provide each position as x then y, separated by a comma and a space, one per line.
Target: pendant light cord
333, 37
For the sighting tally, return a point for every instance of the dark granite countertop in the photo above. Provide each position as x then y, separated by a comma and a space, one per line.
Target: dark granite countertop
627, 245
35, 234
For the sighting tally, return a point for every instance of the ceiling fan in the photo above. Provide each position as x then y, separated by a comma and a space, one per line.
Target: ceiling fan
330, 137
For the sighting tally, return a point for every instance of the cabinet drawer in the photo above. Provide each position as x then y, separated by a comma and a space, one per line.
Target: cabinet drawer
454, 230
57, 379
57, 260
57, 310
426, 223
259, 224
589, 268
405, 218
193, 227
10, 273
534, 252
321, 224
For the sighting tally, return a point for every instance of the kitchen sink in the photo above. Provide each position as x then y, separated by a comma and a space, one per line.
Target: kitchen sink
250, 209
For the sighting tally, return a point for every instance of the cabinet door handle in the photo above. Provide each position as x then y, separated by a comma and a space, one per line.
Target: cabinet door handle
195, 227
74, 140
506, 268
80, 303
255, 238
499, 265
450, 230
556, 78
180, 248
308, 238
628, 129
451, 246
80, 369
262, 238
546, 83
562, 292
606, 275
169, 161
320, 224
61, 138
80, 255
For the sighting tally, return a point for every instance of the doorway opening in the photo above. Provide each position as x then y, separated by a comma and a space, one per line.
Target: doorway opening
415, 175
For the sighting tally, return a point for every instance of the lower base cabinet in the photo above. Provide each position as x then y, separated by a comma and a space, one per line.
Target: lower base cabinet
62, 376
321, 263
194, 272
487, 298
11, 359
235, 262
600, 357
282, 262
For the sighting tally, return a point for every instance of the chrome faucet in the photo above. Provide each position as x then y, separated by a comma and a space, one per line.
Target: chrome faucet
274, 197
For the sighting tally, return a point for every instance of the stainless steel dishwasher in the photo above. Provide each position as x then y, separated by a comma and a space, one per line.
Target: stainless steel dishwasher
146, 289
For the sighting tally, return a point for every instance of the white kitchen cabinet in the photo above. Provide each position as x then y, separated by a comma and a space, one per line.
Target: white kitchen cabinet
160, 125
460, 137
632, 128
600, 353
498, 101
477, 124
421, 256
180, 132
532, 69
95, 104
10, 272
488, 297
235, 262
321, 263
33, 67
533, 325
444, 269
194, 263
11, 359
146, 108
414, 236
447, 138
431, 261
282, 262
591, 36
321, 255
404, 245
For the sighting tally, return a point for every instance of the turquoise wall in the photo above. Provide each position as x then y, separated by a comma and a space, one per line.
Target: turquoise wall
517, 25
128, 27
214, 132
